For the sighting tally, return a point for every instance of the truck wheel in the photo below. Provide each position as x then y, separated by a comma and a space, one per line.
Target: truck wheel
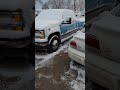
54, 44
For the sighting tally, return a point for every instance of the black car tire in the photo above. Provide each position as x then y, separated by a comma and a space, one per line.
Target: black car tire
52, 48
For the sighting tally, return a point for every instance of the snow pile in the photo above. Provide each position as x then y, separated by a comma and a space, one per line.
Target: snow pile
77, 86
75, 77
42, 60
79, 82
45, 76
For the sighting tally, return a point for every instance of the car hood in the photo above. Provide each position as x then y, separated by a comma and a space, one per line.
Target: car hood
44, 24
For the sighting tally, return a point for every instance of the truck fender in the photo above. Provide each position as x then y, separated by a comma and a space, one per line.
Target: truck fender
52, 38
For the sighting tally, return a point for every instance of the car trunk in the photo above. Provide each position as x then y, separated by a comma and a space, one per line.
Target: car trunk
80, 39
108, 32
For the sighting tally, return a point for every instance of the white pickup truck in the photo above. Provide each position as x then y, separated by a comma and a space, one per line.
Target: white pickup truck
54, 26
16, 27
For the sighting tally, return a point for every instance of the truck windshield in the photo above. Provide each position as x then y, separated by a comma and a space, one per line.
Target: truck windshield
50, 15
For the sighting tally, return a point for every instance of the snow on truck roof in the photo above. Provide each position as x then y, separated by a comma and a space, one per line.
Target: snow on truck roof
52, 14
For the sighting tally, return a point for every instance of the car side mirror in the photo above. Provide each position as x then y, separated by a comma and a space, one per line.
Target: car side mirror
67, 21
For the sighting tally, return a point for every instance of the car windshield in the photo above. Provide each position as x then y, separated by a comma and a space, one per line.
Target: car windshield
50, 15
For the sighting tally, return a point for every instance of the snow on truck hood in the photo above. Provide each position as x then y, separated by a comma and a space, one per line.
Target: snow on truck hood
50, 14
48, 18
44, 24
16, 4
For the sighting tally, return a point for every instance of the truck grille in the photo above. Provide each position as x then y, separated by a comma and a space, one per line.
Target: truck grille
11, 20
37, 34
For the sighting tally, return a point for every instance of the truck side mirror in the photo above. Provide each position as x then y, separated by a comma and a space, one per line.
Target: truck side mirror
67, 21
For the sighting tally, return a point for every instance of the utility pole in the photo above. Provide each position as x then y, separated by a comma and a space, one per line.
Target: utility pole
74, 5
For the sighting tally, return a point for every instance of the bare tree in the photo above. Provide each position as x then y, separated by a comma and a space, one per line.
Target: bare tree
78, 5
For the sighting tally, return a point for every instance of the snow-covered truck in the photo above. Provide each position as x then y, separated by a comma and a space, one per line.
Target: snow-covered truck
53, 26
16, 27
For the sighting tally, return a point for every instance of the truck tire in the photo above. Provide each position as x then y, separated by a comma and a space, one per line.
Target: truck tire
53, 44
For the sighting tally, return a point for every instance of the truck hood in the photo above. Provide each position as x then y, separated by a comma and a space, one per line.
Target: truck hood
16, 4
44, 24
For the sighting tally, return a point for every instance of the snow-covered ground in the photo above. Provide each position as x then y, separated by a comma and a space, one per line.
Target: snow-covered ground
74, 76
44, 58
78, 83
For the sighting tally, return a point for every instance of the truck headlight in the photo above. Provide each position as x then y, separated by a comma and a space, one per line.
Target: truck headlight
19, 28
42, 34
18, 20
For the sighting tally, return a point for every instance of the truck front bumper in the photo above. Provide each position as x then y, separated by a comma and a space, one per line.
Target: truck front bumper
41, 45
15, 43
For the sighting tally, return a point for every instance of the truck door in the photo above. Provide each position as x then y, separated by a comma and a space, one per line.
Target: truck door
67, 27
